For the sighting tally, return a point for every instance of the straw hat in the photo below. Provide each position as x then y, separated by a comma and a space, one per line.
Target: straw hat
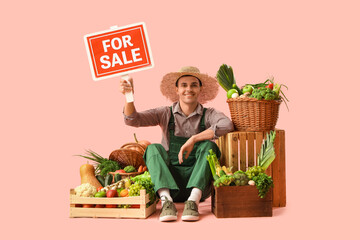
210, 85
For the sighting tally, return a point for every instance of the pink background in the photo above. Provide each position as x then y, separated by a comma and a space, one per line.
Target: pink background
51, 109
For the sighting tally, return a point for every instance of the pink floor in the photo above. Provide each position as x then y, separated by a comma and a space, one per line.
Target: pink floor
204, 210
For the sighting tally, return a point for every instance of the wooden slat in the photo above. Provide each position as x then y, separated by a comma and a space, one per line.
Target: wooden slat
232, 147
242, 137
275, 171
282, 170
259, 140
251, 148
222, 144
224, 160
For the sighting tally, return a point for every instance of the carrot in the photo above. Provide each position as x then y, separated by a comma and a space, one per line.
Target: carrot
145, 169
140, 169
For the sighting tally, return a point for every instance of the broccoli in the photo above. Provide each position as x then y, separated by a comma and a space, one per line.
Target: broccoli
129, 169
270, 96
263, 93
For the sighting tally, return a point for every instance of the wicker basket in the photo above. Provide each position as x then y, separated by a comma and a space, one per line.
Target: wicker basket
127, 175
250, 114
126, 157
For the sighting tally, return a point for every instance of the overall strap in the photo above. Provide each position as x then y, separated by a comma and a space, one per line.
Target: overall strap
202, 121
171, 125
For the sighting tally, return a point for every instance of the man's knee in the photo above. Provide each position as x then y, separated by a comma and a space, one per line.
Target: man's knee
205, 146
154, 149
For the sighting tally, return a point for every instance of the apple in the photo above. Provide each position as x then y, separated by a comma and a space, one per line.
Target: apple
248, 88
111, 193
231, 92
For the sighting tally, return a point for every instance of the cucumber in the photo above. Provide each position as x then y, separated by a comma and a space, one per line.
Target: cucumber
108, 180
101, 180
117, 177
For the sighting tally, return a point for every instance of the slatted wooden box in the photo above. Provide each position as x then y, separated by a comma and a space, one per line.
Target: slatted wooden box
142, 212
240, 150
240, 201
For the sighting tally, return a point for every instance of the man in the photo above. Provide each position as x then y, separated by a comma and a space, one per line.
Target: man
178, 167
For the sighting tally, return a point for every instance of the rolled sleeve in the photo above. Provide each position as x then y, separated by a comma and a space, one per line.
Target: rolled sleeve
146, 118
219, 123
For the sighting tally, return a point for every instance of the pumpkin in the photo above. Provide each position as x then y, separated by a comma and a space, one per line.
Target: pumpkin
87, 174
134, 146
143, 143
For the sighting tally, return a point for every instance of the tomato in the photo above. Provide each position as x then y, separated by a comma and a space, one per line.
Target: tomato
99, 189
271, 86
111, 206
88, 205
120, 171
135, 206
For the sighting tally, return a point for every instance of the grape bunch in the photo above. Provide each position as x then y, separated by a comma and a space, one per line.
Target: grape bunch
134, 189
254, 171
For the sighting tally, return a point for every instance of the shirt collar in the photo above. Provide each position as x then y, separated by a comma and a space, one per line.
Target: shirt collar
177, 109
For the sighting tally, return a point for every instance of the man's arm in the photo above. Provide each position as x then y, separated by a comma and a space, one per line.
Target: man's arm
218, 125
208, 134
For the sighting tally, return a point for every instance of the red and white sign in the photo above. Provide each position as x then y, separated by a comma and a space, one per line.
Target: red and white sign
118, 51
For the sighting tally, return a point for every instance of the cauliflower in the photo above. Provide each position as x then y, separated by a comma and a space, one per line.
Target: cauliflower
85, 190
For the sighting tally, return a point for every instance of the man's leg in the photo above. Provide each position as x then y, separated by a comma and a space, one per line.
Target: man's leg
200, 180
157, 161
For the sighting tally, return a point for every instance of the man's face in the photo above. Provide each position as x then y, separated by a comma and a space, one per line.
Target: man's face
188, 89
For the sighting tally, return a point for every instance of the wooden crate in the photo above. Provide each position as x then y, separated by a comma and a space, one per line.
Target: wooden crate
240, 150
240, 201
141, 212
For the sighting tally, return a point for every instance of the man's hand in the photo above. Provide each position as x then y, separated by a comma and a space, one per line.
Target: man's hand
187, 147
125, 86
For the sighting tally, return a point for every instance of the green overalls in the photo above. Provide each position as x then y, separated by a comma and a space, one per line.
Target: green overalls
166, 172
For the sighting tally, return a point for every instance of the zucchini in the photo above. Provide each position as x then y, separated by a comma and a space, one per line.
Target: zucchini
117, 177
108, 180
101, 180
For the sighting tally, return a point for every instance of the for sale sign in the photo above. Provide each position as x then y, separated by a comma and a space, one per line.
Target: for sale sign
118, 51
